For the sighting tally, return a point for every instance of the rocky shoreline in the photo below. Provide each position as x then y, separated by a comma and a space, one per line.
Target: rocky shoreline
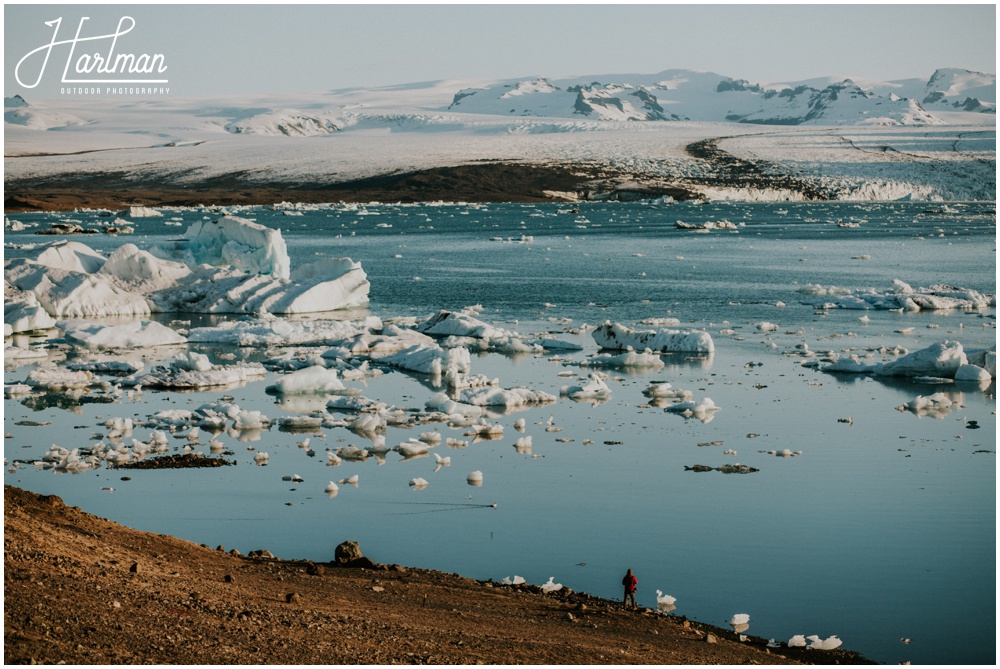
83, 590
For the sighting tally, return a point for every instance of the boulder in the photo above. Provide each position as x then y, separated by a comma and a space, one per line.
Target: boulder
347, 552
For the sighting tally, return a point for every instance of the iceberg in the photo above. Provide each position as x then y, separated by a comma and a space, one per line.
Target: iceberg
901, 296
230, 265
239, 243
619, 338
594, 389
137, 334
942, 359
315, 379
22, 312
460, 324
430, 359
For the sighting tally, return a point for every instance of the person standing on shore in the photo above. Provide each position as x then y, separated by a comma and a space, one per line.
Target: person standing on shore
630, 581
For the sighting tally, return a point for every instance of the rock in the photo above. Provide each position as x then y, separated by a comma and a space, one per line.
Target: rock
134, 568
235, 553
221, 548
347, 552
228, 578
292, 598
711, 638
262, 553
315, 569
570, 616
397, 568
360, 563
581, 607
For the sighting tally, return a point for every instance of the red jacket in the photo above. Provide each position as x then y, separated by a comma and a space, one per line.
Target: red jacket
630, 582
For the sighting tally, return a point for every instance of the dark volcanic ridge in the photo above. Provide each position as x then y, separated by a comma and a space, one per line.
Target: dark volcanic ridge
483, 181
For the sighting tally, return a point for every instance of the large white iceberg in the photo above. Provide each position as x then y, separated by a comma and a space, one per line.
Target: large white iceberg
619, 338
227, 266
239, 243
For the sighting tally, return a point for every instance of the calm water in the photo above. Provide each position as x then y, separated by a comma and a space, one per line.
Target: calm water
883, 528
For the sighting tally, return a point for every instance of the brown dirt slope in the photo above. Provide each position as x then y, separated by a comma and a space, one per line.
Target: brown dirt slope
82, 590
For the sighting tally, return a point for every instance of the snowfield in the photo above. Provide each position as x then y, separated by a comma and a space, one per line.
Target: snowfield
857, 140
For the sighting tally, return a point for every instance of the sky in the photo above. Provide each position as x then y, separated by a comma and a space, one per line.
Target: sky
267, 48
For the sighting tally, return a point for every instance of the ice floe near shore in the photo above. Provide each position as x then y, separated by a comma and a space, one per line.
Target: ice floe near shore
230, 265
900, 296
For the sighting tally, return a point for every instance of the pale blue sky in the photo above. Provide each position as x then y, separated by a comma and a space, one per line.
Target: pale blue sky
247, 49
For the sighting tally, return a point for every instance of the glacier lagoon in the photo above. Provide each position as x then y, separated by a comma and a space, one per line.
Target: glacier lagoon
882, 529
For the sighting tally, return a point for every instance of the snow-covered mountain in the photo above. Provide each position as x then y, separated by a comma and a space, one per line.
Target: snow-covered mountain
707, 96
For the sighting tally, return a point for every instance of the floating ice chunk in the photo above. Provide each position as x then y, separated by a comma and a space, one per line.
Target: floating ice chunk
550, 586
137, 334
272, 331
331, 489
352, 452
441, 402
972, 373
419, 483
226, 375
937, 405
618, 337
797, 641
430, 359
903, 296
519, 424
850, 366
665, 603
740, 619
391, 340
985, 359
311, 380
665, 391
368, 423
261, 458
250, 420
550, 344
766, 327
629, 359
824, 644
702, 410
49, 378
239, 243
411, 448
941, 359
523, 445
474, 478
350, 480
139, 212
442, 462
594, 389
505, 398
448, 323
517, 580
